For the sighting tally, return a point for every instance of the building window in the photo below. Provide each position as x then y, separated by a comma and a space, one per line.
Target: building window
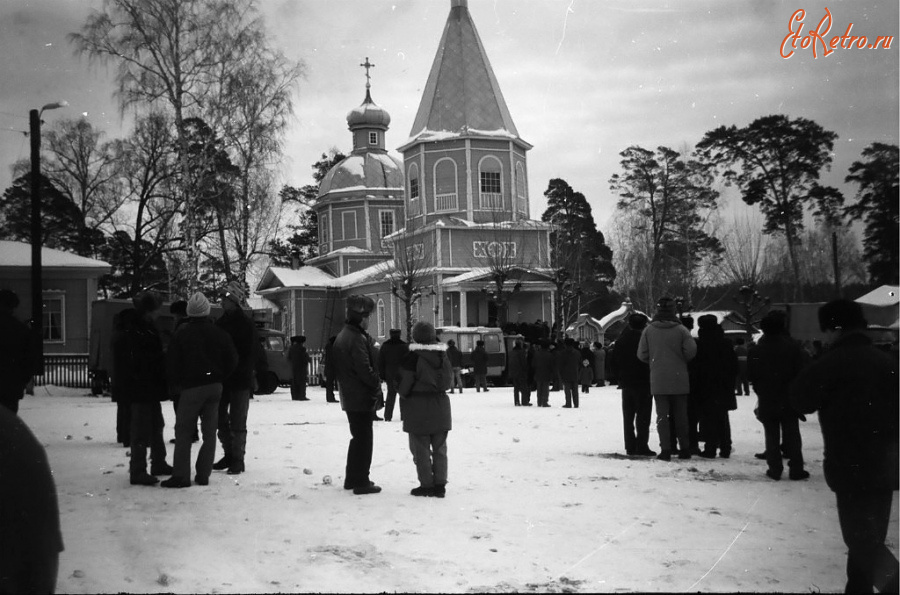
521, 189
379, 314
323, 229
445, 192
348, 225
490, 175
415, 204
373, 138
54, 310
386, 219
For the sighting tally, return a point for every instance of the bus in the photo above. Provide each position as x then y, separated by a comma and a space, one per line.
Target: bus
495, 343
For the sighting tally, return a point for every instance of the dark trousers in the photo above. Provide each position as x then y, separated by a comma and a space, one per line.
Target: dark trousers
200, 402
147, 432
715, 426
741, 382
783, 433
521, 391
543, 392
864, 520
233, 409
637, 406
359, 452
430, 456
570, 387
298, 388
672, 409
391, 399
123, 422
329, 390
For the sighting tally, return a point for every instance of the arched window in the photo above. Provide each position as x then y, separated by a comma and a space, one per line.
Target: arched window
521, 189
415, 201
445, 193
379, 312
490, 175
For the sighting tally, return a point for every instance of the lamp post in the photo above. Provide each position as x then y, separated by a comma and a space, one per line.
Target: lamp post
37, 299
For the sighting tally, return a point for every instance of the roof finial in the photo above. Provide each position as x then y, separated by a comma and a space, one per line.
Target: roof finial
367, 65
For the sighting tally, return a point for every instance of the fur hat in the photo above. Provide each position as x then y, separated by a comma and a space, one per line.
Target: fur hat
772, 323
147, 301
665, 305
423, 332
841, 315
395, 333
637, 321
198, 306
360, 304
235, 293
707, 321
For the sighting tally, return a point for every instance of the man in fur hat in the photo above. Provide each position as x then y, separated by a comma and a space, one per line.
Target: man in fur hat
355, 364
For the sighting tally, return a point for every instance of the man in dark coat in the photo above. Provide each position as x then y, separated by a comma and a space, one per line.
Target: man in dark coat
235, 402
569, 359
518, 374
853, 386
480, 366
771, 366
299, 368
200, 356
17, 353
741, 382
455, 356
30, 536
712, 373
634, 380
139, 371
360, 391
389, 359
328, 365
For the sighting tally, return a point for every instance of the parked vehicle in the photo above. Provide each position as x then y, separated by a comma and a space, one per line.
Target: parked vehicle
100, 355
494, 343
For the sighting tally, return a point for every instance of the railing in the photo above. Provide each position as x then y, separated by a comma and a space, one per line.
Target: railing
445, 202
491, 200
65, 369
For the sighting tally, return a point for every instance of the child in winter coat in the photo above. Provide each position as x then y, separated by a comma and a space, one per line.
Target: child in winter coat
425, 376
586, 375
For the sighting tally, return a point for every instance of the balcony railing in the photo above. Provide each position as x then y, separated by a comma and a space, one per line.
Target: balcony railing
491, 200
445, 202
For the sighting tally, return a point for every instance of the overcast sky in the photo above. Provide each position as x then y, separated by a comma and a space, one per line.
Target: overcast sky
583, 79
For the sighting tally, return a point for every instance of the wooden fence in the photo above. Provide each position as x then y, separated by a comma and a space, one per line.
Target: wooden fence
65, 369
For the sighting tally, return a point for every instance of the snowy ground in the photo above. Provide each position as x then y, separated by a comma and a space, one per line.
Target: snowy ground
539, 500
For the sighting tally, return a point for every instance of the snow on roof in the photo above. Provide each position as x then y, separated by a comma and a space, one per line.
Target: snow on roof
305, 276
473, 274
886, 295
18, 254
349, 250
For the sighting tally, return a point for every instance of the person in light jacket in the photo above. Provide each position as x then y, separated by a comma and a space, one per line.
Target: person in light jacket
668, 347
425, 376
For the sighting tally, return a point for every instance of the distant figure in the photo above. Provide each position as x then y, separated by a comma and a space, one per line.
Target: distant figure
139, 371
425, 378
30, 536
235, 402
360, 389
480, 366
586, 375
667, 346
569, 363
299, 368
741, 381
178, 310
389, 359
599, 362
517, 370
17, 353
542, 367
200, 356
455, 356
772, 364
634, 380
712, 371
854, 387
329, 374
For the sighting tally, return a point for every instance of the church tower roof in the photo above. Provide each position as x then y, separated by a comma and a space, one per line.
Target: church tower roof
462, 96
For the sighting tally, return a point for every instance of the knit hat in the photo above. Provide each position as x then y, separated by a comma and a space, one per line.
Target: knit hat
665, 305
198, 306
423, 332
235, 293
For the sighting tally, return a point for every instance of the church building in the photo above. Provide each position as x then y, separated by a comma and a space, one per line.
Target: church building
449, 223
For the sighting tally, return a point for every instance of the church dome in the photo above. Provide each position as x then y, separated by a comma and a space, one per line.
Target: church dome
364, 171
368, 115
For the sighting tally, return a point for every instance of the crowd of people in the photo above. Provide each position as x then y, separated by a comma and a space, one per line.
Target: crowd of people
208, 368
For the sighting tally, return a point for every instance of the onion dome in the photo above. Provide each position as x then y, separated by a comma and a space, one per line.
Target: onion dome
368, 115
364, 171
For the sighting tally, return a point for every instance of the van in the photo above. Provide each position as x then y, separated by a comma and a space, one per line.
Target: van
466, 337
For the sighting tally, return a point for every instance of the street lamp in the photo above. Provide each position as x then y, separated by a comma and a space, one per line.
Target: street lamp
37, 300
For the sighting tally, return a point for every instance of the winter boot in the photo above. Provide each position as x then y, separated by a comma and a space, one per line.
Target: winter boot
223, 463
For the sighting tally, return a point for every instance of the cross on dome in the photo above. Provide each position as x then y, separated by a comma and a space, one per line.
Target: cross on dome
367, 65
